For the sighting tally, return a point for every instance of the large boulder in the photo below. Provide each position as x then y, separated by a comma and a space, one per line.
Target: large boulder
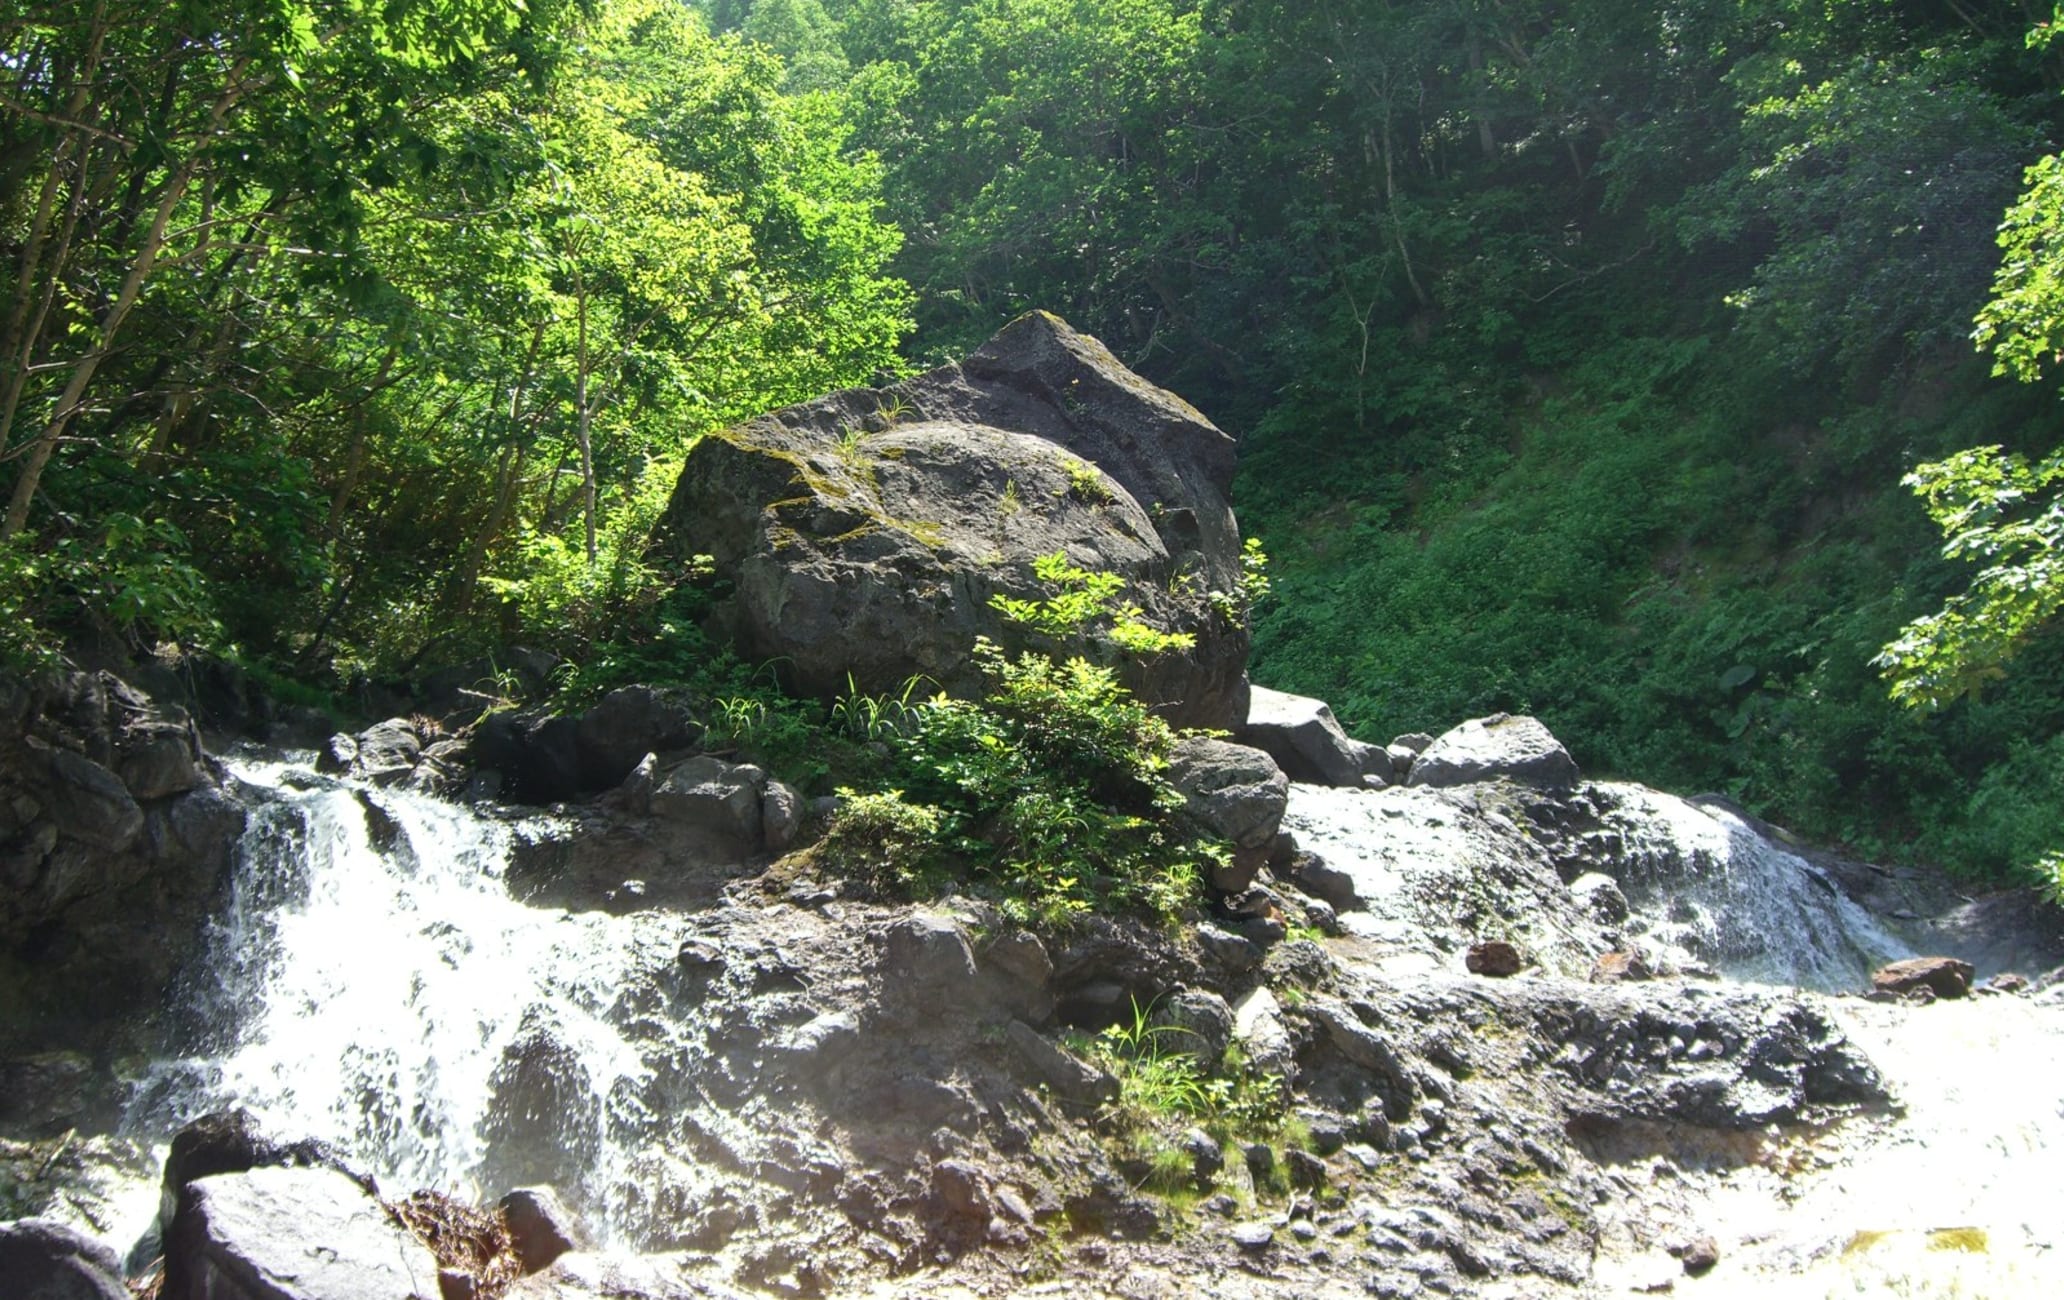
866, 532
291, 1234
114, 836
1303, 735
1484, 749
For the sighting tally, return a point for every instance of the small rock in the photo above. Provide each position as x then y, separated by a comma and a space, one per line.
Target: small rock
1302, 735
781, 816
1253, 1238
541, 1228
1494, 957
1206, 1156
1699, 1256
453, 1284
2008, 982
1947, 977
1621, 965
1306, 1170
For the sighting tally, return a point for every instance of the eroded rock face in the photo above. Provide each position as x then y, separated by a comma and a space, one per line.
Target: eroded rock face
867, 531
114, 834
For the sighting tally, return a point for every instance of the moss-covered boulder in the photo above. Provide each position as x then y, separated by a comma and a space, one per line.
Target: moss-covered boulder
867, 532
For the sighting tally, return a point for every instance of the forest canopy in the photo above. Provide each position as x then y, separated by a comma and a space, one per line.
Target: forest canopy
1578, 349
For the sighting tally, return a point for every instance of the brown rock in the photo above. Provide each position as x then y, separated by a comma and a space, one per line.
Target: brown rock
1494, 957
1699, 1256
1945, 977
2008, 982
1621, 965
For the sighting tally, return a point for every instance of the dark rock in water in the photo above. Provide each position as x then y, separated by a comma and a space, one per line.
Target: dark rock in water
387, 752
544, 1121
1945, 977
867, 531
1236, 791
41, 1259
1302, 734
1483, 749
1494, 957
290, 1234
541, 1228
1620, 965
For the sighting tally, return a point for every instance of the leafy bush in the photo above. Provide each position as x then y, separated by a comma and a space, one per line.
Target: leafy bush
1052, 792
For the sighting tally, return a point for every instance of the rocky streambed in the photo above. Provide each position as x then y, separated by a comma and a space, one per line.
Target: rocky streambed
764, 1086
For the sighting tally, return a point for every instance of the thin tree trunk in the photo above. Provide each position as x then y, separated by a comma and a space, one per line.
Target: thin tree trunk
111, 323
585, 421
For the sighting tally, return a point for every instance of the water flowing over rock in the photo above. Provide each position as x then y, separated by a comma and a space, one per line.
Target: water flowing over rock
866, 532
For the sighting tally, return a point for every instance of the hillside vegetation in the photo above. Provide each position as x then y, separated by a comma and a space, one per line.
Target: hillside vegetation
1578, 348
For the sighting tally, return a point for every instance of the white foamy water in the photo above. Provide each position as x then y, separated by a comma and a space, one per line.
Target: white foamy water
1702, 880
364, 988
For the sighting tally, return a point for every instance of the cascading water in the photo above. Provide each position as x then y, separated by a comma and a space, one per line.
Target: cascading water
371, 983
1433, 869
1703, 880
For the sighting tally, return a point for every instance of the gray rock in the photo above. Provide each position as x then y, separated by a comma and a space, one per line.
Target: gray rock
1228, 951
1414, 742
541, 1228
781, 816
1070, 1077
717, 800
1483, 749
1258, 1028
41, 1259
1197, 1024
291, 1234
387, 752
1302, 735
1237, 791
1254, 1238
1369, 1050
926, 965
1601, 896
866, 532
90, 803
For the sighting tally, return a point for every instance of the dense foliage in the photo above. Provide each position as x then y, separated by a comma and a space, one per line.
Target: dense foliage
1579, 348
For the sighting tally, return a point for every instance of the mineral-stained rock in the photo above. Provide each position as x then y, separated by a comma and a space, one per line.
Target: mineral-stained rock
1302, 734
867, 532
1945, 977
1621, 964
1482, 749
290, 1234
44, 1260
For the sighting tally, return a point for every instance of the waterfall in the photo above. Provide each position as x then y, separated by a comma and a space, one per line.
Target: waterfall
1705, 881
371, 983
